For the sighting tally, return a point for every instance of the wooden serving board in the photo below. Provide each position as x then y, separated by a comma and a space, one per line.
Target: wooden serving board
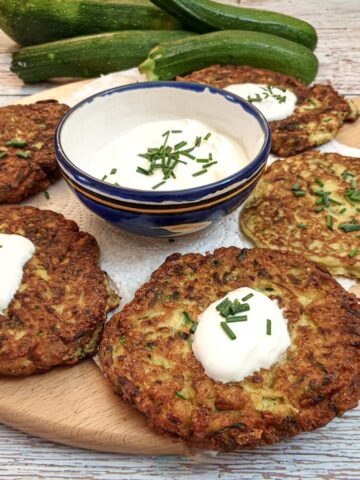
76, 405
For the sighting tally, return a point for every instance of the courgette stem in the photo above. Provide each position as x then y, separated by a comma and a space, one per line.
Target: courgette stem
260, 50
207, 16
42, 21
88, 56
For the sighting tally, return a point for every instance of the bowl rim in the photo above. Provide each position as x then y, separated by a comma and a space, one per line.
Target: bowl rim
153, 195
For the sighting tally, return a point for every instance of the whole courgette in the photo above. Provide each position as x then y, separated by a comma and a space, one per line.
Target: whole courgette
90, 55
260, 50
207, 16
41, 21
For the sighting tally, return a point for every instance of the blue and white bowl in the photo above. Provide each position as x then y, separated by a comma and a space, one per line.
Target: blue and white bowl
98, 120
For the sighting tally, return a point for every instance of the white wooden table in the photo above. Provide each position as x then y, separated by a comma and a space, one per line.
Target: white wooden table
330, 453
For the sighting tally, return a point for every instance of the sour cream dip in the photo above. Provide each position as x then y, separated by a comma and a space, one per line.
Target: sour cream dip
261, 336
15, 252
273, 102
204, 156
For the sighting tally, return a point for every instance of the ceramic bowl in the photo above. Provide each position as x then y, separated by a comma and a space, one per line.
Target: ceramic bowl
98, 120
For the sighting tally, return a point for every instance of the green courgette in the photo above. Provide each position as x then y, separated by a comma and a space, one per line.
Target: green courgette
261, 50
41, 21
88, 56
207, 16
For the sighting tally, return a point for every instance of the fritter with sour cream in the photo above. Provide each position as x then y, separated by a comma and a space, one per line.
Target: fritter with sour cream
319, 112
146, 350
27, 159
309, 204
57, 315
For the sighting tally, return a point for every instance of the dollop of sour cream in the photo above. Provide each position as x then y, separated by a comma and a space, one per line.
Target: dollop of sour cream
273, 102
15, 252
257, 345
119, 162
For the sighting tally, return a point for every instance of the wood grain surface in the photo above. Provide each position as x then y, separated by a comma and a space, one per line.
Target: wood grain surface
330, 453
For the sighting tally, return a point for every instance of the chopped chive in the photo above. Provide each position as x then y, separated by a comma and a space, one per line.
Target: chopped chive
22, 154
202, 160
16, 142
176, 131
207, 136
209, 164
180, 395
329, 222
197, 141
301, 225
193, 327
319, 209
332, 200
342, 210
166, 134
200, 172
158, 185
180, 145
3, 154
295, 187
268, 327
142, 170
46, 195
298, 193
247, 297
104, 178
352, 183
187, 318
238, 318
319, 201
113, 171
326, 199
228, 330
349, 227
353, 252
319, 182
222, 304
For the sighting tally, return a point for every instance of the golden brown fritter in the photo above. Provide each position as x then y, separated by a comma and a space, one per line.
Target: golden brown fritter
289, 212
27, 159
57, 315
146, 350
319, 113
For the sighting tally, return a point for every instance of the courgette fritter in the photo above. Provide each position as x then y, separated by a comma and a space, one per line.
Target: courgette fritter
146, 350
319, 113
27, 160
57, 315
309, 204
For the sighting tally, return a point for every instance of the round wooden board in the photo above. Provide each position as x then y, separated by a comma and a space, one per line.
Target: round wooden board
76, 405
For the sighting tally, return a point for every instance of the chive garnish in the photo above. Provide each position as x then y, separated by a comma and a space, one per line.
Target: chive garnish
187, 318
268, 327
16, 142
176, 131
228, 330
349, 227
319, 182
238, 318
200, 172
180, 395
158, 185
329, 222
209, 164
301, 225
180, 145
299, 193
22, 154
46, 195
353, 252
3, 154
207, 136
319, 209
113, 171
193, 327
332, 200
247, 297
342, 210
295, 187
